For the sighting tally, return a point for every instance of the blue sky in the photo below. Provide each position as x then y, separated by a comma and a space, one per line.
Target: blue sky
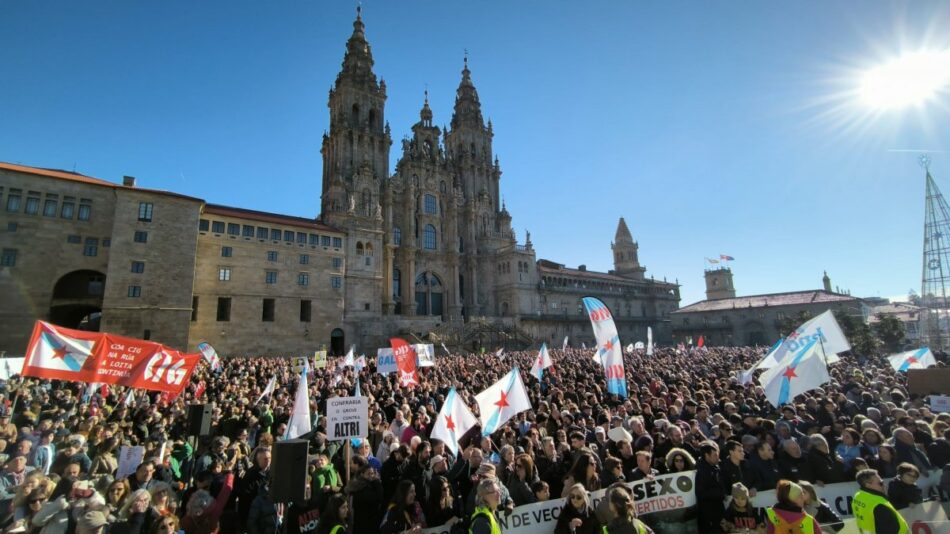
712, 127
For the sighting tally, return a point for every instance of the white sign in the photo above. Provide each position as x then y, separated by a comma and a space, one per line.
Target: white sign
347, 417
425, 355
129, 460
939, 403
10, 367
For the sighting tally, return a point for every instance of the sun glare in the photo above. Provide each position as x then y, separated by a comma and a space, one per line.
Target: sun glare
909, 80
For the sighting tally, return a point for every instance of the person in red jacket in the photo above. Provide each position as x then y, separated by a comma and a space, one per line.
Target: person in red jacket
204, 511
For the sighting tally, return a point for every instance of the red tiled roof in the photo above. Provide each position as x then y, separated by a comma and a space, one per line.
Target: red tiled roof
263, 216
55, 173
814, 296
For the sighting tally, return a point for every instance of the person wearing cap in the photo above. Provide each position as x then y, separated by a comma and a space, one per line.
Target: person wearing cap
91, 522
788, 513
872, 511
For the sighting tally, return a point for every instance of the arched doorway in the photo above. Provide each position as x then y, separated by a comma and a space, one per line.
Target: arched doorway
429, 292
77, 300
337, 342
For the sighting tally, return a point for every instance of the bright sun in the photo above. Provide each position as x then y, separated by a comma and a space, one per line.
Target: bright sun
909, 80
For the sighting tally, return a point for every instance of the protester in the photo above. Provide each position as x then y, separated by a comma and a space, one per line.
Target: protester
740, 515
872, 510
788, 514
815, 507
623, 509
577, 516
903, 490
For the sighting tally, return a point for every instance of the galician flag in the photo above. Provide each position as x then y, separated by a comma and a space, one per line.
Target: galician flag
57, 351
453, 421
502, 401
564, 345
824, 329
360, 363
797, 373
913, 359
542, 362
745, 377
609, 349
210, 355
649, 341
269, 390
349, 360
299, 423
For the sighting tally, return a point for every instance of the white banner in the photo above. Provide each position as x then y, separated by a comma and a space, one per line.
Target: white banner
10, 367
664, 504
425, 355
347, 417
924, 518
385, 361
940, 403
129, 460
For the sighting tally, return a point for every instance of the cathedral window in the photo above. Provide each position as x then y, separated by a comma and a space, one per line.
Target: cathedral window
355, 115
369, 249
397, 236
359, 248
431, 207
372, 119
430, 237
442, 186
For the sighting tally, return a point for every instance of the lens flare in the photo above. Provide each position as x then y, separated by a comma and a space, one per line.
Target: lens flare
909, 80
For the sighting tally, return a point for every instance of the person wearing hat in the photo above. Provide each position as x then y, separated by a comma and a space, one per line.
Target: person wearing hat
872, 511
91, 522
788, 513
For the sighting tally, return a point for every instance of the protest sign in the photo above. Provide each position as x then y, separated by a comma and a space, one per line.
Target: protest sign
940, 403
667, 504
10, 367
425, 355
129, 460
385, 361
320, 359
347, 417
299, 364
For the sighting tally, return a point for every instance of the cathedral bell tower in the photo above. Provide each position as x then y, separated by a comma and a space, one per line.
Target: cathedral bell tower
626, 262
356, 150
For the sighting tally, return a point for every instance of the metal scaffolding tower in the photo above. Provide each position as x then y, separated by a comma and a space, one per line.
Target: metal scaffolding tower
935, 279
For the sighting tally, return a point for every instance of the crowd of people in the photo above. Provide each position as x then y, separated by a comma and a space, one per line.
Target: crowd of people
685, 411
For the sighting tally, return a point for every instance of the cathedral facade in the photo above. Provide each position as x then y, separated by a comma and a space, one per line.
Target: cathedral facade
425, 251
432, 242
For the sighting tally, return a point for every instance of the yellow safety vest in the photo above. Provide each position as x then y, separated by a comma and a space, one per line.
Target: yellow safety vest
483, 510
641, 528
864, 504
337, 529
805, 524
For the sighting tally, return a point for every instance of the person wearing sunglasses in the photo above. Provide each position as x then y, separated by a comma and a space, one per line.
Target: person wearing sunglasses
578, 515
487, 500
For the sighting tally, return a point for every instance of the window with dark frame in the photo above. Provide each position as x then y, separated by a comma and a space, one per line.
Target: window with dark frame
304, 311
138, 267
267, 311
145, 211
224, 309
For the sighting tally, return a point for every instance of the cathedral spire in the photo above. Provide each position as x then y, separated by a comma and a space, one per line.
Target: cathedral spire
358, 60
425, 115
468, 110
623, 233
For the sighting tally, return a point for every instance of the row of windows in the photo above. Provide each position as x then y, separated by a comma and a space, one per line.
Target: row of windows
270, 277
273, 255
268, 310
429, 238
274, 234
50, 202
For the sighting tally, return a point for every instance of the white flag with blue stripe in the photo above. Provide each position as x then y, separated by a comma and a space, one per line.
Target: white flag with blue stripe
502, 401
800, 371
453, 421
913, 359
542, 362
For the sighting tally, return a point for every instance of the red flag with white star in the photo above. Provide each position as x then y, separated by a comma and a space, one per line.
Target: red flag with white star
405, 357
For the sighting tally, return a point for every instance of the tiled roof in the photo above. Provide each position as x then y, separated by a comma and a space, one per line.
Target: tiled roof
82, 178
263, 216
55, 173
815, 296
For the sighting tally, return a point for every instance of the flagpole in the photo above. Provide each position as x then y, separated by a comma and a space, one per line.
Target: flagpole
823, 353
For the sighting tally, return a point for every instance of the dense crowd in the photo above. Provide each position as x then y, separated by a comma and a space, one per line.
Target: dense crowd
686, 410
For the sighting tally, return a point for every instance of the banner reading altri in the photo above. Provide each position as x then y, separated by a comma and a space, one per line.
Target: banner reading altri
65, 354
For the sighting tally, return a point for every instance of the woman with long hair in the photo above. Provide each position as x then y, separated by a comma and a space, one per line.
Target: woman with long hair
404, 512
679, 460
519, 485
788, 513
886, 462
115, 497
578, 515
333, 518
622, 507
442, 508
584, 472
166, 525
34, 480
105, 462
817, 508
163, 499
137, 514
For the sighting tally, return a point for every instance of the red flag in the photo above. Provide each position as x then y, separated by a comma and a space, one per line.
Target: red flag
200, 390
65, 354
701, 342
405, 362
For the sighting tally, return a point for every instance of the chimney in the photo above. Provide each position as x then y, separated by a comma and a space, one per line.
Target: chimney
128, 181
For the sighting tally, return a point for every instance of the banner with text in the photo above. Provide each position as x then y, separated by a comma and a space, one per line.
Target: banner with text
667, 504
385, 361
65, 354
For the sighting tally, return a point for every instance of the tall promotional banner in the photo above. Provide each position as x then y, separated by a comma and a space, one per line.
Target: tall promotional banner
649, 341
405, 362
609, 349
210, 355
66, 354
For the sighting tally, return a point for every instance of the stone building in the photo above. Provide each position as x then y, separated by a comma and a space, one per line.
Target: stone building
724, 319
425, 250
